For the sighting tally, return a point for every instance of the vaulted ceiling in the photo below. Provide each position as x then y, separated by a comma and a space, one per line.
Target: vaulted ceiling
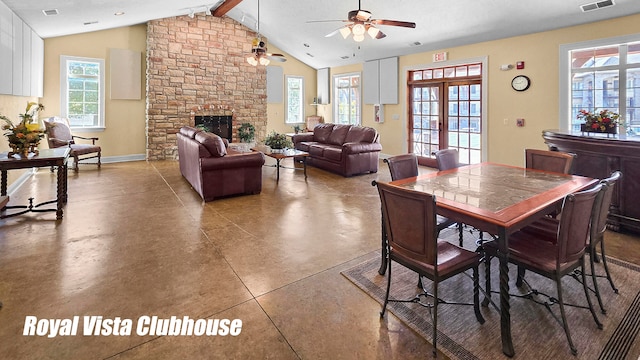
292, 25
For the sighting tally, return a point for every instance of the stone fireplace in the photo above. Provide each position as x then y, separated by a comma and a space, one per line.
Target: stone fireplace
197, 67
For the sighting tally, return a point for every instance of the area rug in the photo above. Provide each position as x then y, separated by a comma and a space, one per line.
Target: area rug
536, 334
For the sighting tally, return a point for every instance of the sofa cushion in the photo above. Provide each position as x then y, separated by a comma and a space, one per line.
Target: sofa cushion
321, 132
304, 145
333, 153
316, 150
338, 134
189, 131
211, 142
361, 134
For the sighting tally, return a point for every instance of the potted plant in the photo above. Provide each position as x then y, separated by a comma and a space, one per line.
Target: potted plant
604, 121
277, 141
297, 128
246, 132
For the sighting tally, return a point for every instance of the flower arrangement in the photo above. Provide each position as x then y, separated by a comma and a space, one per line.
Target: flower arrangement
25, 136
599, 120
277, 141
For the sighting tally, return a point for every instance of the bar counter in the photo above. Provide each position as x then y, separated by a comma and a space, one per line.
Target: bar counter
598, 155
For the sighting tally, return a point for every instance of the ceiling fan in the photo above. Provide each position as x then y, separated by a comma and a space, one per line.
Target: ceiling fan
360, 22
259, 54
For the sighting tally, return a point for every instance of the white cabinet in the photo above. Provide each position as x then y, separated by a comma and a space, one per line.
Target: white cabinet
381, 81
21, 56
18, 63
6, 50
322, 93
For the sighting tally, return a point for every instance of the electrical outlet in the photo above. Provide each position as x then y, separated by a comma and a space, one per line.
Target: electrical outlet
505, 121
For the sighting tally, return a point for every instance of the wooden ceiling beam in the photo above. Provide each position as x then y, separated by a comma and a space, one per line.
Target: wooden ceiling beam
225, 7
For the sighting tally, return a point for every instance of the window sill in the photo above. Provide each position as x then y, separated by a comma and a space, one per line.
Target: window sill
88, 129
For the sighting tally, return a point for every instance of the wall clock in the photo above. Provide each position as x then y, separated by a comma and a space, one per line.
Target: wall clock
520, 83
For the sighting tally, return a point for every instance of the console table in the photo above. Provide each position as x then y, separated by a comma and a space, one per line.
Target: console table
597, 157
46, 158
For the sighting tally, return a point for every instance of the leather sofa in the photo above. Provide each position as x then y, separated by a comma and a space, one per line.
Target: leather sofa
343, 149
215, 171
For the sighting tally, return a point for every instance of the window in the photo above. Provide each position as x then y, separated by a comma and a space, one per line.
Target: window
295, 100
603, 74
346, 89
82, 95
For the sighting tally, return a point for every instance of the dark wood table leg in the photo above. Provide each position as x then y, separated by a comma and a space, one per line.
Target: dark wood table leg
65, 168
304, 166
505, 310
61, 192
3, 185
277, 170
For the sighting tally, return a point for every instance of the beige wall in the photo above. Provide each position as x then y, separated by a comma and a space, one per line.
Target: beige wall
124, 119
276, 111
538, 106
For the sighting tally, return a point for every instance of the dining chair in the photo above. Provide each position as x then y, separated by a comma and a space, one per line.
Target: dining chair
450, 159
547, 160
59, 135
412, 232
554, 255
596, 234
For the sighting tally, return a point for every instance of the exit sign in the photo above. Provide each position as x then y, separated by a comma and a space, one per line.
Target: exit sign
441, 56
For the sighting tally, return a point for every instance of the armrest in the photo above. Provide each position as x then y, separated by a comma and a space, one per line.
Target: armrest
59, 143
234, 161
302, 137
355, 148
93, 139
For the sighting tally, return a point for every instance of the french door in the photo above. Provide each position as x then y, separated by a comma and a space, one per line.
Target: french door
445, 113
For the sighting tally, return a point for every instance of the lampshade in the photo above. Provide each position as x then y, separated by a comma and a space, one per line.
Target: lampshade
264, 61
358, 29
252, 60
345, 32
373, 32
358, 38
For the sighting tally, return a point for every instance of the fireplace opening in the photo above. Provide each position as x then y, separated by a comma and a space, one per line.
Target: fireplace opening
221, 125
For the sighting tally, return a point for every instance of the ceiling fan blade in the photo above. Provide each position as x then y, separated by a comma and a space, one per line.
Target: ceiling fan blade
381, 35
394, 23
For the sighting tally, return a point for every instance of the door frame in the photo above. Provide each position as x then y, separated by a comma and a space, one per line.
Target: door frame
405, 110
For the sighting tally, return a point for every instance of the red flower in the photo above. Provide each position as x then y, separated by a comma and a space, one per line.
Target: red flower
595, 126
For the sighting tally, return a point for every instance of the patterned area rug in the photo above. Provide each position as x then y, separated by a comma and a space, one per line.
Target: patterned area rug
536, 334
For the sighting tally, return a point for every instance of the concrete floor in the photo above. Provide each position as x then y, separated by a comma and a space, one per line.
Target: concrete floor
137, 241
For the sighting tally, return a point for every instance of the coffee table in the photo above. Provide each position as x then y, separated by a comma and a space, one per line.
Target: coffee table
280, 154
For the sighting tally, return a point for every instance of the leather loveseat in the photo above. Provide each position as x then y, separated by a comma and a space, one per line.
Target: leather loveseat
215, 171
344, 149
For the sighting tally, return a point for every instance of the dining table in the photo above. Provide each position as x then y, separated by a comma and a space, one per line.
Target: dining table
497, 199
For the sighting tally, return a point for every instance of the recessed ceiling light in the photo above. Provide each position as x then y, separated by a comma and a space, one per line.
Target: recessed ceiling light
310, 55
50, 12
91, 22
305, 45
119, 13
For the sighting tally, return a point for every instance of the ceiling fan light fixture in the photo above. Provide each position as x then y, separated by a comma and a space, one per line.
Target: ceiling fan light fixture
252, 60
363, 15
358, 38
358, 29
373, 32
345, 32
264, 61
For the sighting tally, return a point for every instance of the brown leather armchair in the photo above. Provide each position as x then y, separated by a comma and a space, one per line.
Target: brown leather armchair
59, 135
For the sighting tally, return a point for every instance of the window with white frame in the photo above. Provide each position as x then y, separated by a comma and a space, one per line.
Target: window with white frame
82, 91
295, 99
599, 75
347, 99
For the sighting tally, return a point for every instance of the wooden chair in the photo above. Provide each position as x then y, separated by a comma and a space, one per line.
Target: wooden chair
59, 135
554, 255
449, 159
312, 121
402, 167
596, 233
546, 160
410, 223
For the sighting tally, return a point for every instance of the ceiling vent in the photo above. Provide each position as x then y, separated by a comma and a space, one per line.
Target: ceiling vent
51, 12
344, 57
597, 5
415, 43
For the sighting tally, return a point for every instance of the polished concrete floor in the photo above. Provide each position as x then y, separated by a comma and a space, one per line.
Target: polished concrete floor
137, 241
